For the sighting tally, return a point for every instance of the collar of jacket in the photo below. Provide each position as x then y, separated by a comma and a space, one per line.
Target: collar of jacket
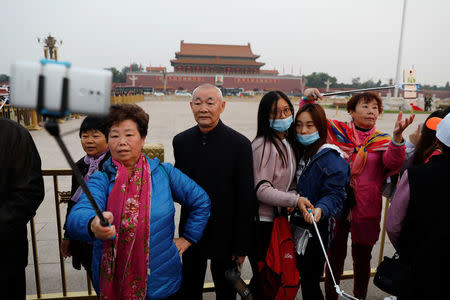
206, 136
322, 150
110, 169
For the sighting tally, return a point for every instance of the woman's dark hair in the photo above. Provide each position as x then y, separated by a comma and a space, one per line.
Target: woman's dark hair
320, 121
366, 98
93, 123
133, 112
427, 142
447, 111
445, 148
264, 130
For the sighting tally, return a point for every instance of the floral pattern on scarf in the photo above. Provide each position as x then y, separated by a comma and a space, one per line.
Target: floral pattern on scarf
124, 263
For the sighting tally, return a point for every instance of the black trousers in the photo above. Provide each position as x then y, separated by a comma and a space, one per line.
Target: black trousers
194, 270
12, 286
258, 252
311, 265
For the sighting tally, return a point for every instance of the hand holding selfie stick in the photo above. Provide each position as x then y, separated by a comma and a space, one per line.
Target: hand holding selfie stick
336, 286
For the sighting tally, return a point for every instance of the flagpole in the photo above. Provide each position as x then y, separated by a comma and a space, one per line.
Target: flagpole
400, 48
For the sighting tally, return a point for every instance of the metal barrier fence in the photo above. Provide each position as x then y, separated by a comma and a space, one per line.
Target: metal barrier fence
28, 117
126, 99
152, 150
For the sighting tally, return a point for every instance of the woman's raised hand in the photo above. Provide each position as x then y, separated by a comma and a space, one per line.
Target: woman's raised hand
101, 232
415, 136
400, 126
312, 94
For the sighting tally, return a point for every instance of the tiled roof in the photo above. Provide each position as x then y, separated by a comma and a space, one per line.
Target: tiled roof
216, 50
216, 61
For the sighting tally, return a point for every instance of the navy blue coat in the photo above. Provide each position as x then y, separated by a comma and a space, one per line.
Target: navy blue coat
168, 185
323, 182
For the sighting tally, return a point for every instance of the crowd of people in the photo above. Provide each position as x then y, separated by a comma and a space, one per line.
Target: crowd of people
317, 170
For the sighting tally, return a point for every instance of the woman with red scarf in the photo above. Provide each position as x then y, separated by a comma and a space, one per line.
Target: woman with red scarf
373, 156
137, 256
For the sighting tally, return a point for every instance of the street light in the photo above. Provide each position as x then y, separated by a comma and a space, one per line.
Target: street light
50, 45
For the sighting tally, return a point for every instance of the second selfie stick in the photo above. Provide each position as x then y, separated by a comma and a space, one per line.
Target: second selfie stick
397, 86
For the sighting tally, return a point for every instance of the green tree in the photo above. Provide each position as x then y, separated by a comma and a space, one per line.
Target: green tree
4, 77
356, 82
319, 79
134, 68
117, 75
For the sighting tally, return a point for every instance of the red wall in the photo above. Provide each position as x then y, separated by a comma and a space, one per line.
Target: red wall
189, 82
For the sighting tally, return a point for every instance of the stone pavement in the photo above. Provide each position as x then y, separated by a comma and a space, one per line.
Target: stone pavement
167, 118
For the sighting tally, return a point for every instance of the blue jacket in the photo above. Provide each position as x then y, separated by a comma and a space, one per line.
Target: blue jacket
323, 181
165, 271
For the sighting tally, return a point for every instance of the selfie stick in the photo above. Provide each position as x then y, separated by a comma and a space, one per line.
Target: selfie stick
336, 286
3, 103
53, 128
396, 86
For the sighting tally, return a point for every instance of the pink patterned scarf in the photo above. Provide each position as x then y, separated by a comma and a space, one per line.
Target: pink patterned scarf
124, 263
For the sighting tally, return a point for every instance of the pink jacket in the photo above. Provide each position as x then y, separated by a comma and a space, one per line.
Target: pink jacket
366, 214
271, 168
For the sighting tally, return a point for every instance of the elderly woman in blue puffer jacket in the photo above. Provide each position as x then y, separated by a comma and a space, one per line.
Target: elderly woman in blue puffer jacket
137, 257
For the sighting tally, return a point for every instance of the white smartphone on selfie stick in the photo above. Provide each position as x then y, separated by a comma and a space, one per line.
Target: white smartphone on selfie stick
59, 85
56, 89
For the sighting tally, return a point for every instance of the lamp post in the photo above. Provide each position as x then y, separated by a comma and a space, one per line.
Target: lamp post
50, 45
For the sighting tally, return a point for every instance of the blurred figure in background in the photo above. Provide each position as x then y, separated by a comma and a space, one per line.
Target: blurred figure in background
419, 234
21, 193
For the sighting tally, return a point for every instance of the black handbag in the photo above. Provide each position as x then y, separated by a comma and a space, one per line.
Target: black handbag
392, 276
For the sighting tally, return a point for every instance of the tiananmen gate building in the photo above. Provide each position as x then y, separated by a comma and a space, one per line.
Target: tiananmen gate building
227, 66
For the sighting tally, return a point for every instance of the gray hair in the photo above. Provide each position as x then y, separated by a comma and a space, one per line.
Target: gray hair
208, 86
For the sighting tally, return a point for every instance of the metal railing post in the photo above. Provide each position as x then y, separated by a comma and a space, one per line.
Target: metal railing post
37, 277
58, 224
383, 231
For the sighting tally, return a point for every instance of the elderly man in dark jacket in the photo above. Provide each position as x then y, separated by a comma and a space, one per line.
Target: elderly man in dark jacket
219, 159
21, 193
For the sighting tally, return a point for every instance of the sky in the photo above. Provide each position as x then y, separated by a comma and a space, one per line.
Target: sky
344, 38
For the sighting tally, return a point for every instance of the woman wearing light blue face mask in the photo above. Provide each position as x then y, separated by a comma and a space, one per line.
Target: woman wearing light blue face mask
322, 176
274, 166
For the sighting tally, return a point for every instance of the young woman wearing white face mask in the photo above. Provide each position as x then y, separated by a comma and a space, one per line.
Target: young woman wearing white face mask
274, 166
322, 176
